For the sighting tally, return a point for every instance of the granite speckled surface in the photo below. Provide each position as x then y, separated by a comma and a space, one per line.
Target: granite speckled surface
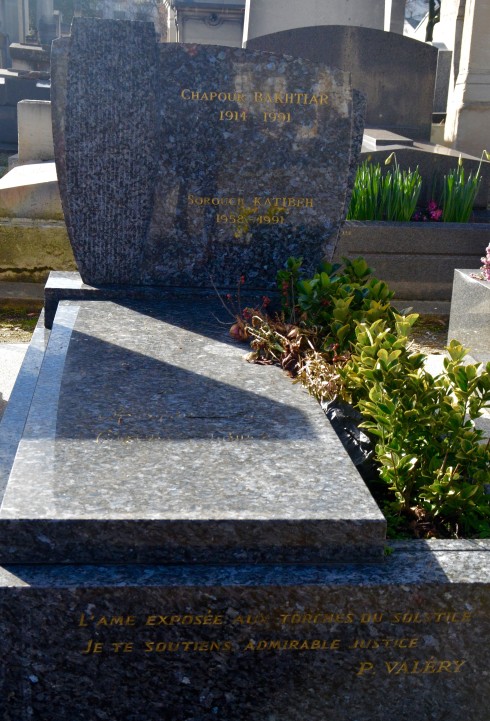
207, 163
150, 438
469, 321
14, 418
403, 639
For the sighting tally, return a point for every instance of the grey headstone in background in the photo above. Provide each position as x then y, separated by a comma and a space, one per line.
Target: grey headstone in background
199, 165
14, 87
359, 105
397, 74
444, 60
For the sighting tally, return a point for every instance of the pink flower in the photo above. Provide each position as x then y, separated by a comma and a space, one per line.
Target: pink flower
435, 214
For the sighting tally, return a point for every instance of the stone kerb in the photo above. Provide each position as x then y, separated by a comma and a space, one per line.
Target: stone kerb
211, 162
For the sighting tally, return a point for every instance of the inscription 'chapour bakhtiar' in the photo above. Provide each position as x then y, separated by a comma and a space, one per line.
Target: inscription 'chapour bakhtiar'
256, 96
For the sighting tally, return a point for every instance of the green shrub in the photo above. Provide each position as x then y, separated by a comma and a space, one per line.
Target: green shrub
340, 336
334, 300
431, 456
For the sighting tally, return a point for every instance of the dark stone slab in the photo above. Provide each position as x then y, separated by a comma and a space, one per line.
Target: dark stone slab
150, 439
207, 163
14, 88
67, 285
432, 251
22, 88
8, 120
375, 138
397, 74
403, 639
443, 76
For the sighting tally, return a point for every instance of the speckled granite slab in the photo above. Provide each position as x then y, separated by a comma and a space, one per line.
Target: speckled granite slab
205, 163
151, 439
469, 321
402, 640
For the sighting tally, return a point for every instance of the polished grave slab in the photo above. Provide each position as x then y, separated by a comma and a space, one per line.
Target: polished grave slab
150, 438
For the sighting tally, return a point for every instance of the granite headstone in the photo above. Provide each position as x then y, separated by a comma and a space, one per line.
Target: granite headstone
211, 162
396, 74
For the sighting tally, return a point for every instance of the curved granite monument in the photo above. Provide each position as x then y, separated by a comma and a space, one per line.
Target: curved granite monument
211, 163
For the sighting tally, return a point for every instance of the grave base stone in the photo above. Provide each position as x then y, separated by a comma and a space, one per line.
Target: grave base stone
183, 537
401, 639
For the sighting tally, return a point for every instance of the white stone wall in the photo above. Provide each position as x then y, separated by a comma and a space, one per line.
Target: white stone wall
269, 16
35, 133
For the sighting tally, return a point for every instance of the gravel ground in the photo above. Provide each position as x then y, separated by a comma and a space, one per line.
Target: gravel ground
430, 334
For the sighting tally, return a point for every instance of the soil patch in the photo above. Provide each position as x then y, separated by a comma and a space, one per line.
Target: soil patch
17, 323
429, 334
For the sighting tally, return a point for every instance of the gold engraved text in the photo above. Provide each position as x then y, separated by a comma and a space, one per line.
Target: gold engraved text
187, 620
411, 668
293, 645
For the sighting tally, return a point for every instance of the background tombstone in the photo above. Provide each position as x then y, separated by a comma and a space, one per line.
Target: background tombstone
263, 17
397, 74
235, 160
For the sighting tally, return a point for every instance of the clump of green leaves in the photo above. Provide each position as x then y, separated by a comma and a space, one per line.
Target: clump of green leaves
432, 458
333, 301
318, 316
459, 193
390, 196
